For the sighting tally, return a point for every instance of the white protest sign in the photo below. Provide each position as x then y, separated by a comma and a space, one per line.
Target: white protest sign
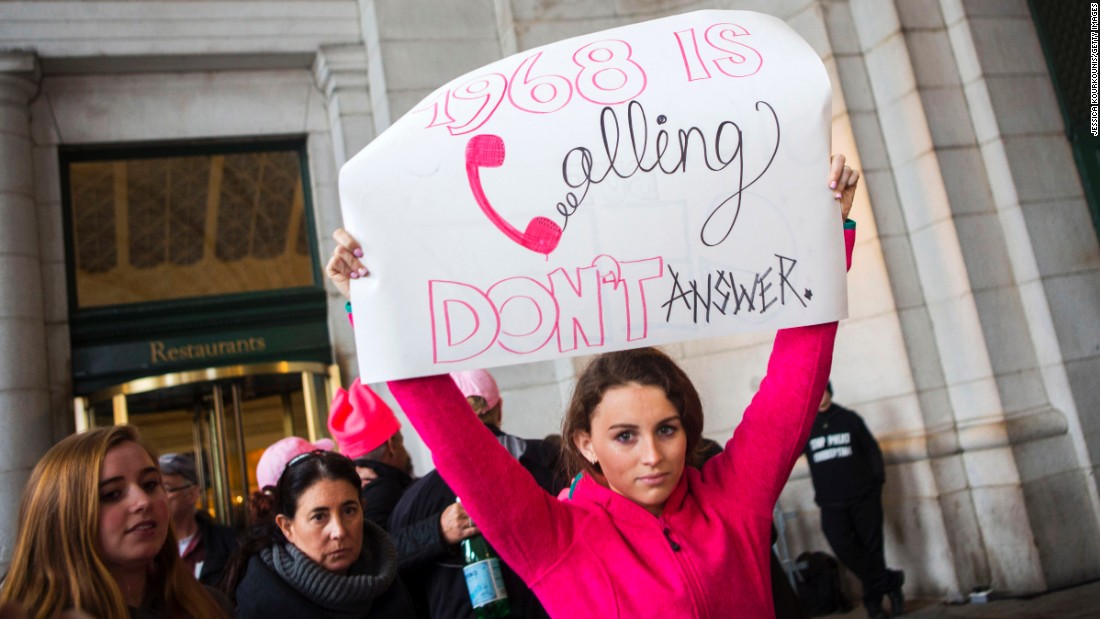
649, 184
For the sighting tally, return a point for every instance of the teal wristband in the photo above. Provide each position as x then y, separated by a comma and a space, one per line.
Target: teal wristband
849, 224
347, 307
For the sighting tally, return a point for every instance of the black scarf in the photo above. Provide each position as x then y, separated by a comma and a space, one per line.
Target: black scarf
369, 577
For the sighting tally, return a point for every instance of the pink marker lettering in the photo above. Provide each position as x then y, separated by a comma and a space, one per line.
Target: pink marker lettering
523, 315
464, 321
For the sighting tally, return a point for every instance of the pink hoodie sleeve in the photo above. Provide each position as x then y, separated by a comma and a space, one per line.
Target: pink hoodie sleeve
494, 487
759, 457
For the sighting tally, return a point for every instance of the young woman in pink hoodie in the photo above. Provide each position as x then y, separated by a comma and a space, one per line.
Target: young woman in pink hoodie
642, 533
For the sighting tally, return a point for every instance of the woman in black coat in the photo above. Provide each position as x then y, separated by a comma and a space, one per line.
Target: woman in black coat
319, 557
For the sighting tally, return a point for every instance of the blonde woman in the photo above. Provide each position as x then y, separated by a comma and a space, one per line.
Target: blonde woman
94, 535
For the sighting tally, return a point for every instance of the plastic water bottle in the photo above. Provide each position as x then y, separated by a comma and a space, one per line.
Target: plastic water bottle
484, 580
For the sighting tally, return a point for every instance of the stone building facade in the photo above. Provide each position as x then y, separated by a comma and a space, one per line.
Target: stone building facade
973, 343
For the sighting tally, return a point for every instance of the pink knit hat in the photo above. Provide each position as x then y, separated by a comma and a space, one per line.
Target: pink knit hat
360, 421
270, 467
479, 383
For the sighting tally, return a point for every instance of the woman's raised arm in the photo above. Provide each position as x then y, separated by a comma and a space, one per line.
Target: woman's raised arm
517, 517
759, 457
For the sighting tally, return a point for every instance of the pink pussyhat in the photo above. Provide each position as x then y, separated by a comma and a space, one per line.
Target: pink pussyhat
274, 459
360, 421
479, 383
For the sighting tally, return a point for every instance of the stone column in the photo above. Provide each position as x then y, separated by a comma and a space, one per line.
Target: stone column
1033, 257
929, 237
24, 388
341, 74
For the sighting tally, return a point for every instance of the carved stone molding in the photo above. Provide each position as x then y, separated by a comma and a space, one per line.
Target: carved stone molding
20, 76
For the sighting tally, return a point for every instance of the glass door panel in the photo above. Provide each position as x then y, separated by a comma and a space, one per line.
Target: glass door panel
227, 422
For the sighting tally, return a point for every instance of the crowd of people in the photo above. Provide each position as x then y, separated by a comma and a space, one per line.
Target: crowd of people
624, 519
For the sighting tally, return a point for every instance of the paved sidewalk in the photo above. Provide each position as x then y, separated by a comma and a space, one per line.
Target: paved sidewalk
1081, 602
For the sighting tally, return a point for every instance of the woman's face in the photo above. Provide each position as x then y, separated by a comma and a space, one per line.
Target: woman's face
328, 526
639, 442
133, 510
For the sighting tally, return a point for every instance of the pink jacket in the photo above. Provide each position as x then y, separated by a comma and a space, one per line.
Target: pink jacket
599, 554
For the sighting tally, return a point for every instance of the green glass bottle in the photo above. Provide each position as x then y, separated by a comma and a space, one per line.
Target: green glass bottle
484, 580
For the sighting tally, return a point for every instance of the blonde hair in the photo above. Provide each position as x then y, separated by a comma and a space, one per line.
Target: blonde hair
56, 564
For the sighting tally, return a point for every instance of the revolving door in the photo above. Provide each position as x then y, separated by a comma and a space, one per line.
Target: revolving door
226, 416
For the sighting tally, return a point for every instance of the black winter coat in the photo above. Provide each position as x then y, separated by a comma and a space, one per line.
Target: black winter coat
220, 542
433, 570
371, 588
381, 495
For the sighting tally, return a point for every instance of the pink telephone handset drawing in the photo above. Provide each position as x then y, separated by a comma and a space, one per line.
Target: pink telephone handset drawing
487, 151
